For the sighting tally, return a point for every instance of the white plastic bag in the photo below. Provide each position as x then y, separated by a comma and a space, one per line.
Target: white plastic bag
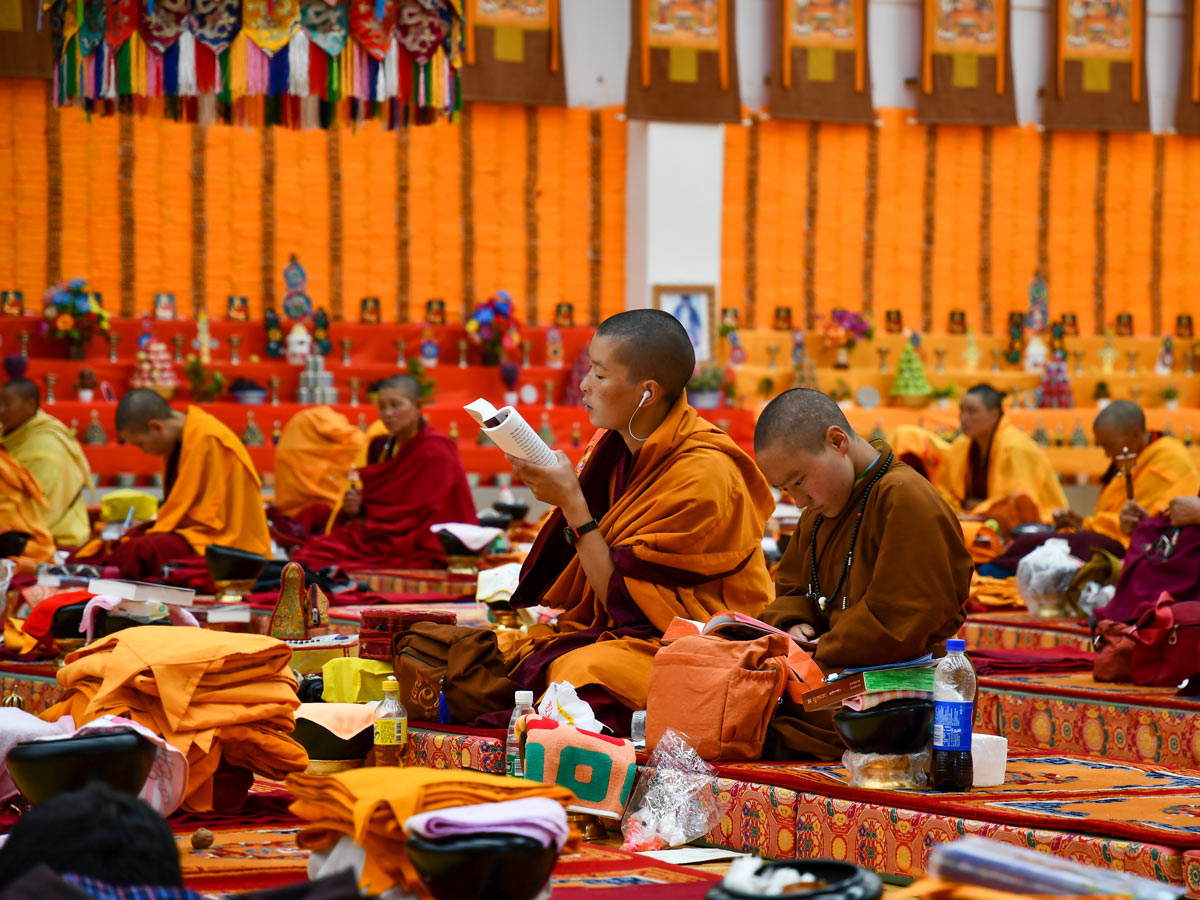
1044, 575
562, 703
1095, 595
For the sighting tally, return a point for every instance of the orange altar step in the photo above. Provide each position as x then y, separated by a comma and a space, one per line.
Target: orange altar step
1017, 629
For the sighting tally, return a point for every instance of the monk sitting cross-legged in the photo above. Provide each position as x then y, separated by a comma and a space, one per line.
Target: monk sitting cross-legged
313, 462
664, 519
413, 479
211, 491
892, 574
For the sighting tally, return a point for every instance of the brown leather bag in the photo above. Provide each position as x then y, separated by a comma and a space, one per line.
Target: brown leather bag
464, 663
719, 694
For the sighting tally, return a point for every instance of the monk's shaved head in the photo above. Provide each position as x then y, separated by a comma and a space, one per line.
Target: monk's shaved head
1121, 417
25, 390
802, 418
652, 345
991, 398
406, 383
138, 409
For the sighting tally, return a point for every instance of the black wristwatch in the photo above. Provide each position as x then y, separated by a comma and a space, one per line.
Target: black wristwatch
574, 534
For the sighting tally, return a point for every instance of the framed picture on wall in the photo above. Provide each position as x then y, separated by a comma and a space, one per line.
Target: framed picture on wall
695, 306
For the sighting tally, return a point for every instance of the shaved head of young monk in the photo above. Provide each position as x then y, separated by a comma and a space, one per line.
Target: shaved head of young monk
640, 362
145, 420
1120, 426
19, 402
803, 445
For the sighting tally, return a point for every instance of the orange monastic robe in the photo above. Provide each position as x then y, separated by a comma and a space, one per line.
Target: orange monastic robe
1163, 470
23, 508
316, 452
1016, 466
217, 495
684, 530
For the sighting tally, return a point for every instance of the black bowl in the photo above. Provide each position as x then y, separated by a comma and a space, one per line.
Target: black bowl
478, 866
515, 511
843, 881
232, 564
452, 546
44, 769
899, 726
493, 518
321, 743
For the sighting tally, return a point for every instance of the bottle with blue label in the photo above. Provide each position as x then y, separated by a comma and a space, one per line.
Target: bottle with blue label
953, 710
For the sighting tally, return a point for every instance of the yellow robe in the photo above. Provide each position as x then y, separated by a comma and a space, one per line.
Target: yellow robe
22, 508
45, 447
1016, 465
313, 460
217, 495
1162, 471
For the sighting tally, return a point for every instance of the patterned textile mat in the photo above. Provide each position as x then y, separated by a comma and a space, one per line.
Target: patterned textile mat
1002, 630
20, 686
1070, 713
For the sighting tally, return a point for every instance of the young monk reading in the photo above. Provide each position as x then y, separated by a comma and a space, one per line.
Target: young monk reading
44, 446
211, 491
413, 479
664, 519
876, 571
993, 469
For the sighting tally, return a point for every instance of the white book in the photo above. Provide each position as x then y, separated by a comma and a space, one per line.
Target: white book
141, 592
223, 612
511, 433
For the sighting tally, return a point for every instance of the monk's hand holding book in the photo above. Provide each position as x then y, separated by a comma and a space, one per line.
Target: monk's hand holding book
557, 485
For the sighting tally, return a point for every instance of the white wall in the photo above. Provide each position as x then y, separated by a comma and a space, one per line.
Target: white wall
596, 50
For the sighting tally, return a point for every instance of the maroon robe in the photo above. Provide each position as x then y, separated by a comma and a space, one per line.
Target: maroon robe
422, 485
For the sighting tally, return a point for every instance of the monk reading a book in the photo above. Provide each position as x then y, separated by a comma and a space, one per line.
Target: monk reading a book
876, 571
664, 519
413, 479
211, 491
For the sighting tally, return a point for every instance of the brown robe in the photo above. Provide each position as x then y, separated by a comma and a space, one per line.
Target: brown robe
908, 585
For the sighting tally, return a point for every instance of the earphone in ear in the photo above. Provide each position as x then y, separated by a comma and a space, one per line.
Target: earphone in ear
629, 427
645, 395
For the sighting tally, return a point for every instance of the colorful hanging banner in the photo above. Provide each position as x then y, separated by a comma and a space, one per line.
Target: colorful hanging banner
270, 24
1099, 66
372, 23
513, 52
421, 31
965, 71
685, 28
161, 22
91, 30
121, 22
215, 23
327, 24
822, 70
511, 21
1187, 107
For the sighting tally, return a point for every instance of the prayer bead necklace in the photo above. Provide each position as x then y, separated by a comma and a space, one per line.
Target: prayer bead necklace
814, 586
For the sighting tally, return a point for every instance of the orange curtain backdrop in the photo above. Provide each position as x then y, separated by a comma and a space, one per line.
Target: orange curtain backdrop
901, 217
498, 186
373, 221
91, 245
957, 210
23, 187
220, 210
734, 212
782, 194
302, 213
552, 237
843, 189
612, 234
1128, 215
1072, 247
572, 194
1016, 158
243, 172
1181, 230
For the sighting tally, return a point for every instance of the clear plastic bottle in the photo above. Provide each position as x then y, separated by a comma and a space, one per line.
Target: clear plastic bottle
522, 705
391, 726
953, 710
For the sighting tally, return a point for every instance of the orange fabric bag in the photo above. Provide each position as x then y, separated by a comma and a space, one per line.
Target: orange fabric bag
719, 694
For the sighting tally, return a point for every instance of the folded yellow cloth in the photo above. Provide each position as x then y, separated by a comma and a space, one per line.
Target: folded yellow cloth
372, 805
213, 695
349, 679
115, 506
999, 593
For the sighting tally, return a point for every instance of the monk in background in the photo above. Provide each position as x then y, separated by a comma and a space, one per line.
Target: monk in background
664, 519
995, 470
313, 460
44, 446
211, 491
22, 512
413, 479
891, 575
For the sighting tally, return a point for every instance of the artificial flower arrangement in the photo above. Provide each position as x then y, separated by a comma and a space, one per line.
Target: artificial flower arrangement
72, 313
493, 327
845, 329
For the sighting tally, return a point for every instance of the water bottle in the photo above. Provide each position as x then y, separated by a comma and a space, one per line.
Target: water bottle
391, 726
953, 709
522, 705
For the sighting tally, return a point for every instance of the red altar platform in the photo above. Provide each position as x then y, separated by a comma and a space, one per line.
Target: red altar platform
1017, 629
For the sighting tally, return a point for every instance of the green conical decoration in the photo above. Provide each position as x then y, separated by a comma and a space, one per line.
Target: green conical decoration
910, 384
1079, 437
1040, 436
878, 434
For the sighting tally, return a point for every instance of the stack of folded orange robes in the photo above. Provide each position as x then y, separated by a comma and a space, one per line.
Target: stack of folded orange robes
218, 697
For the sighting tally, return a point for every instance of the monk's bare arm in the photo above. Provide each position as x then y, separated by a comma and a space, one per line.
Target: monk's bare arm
593, 552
